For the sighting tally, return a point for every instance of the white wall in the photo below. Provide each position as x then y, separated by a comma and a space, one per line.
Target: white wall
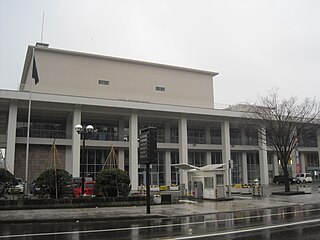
79, 74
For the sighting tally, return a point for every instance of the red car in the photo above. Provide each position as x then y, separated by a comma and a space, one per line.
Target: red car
88, 189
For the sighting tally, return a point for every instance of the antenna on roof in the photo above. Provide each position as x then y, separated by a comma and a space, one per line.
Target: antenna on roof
41, 43
42, 26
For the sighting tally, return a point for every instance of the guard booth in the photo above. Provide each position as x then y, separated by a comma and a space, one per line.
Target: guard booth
206, 182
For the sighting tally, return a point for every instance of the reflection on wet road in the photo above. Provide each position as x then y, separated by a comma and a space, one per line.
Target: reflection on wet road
299, 222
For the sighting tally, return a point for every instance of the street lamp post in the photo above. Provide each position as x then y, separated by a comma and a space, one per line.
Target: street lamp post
83, 132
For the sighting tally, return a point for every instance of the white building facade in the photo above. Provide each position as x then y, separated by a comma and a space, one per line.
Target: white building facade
119, 97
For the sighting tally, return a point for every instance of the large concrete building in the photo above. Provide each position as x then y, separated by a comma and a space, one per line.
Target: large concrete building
119, 97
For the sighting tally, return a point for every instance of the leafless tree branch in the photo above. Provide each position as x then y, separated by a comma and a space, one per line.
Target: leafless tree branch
286, 122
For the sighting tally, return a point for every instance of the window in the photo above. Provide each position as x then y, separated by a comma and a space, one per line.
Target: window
219, 178
196, 158
161, 89
103, 82
215, 134
251, 137
235, 136
174, 170
312, 160
253, 166
208, 182
216, 157
310, 141
159, 169
174, 134
105, 130
237, 167
196, 135
93, 162
42, 128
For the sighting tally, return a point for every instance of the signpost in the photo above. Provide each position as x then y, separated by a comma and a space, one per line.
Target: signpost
230, 166
148, 155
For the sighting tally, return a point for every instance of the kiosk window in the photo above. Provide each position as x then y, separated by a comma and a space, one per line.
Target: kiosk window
219, 179
208, 182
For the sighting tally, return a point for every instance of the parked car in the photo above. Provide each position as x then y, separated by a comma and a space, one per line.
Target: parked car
18, 188
88, 190
88, 187
304, 177
34, 189
280, 179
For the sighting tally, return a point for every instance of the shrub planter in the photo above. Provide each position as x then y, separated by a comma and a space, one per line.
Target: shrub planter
72, 202
235, 190
174, 188
154, 188
156, 199
246, 191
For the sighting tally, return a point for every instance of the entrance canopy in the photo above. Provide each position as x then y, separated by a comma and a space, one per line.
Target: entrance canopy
207, 168
185, 166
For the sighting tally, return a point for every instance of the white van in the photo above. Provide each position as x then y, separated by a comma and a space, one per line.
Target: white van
304, 177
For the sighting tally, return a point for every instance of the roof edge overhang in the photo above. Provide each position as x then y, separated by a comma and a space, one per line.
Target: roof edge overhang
138, 106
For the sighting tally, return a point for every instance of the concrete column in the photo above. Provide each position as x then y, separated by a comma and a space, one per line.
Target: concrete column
133, 150
263, 162
183, 149
294, 163
318, 144
225, 135
76, 143
208, 158
167, 164
275, 164
69, 149
263, 159
121, 158
121, 138
208, 141
226, 151
244, 168
167, 133
302, 162
11, 136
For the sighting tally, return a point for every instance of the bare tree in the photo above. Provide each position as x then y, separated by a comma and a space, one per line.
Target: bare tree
283, 123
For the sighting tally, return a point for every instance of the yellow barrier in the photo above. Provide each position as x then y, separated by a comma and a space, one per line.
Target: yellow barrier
164, 188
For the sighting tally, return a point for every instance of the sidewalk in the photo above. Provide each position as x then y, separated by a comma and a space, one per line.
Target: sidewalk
184, 208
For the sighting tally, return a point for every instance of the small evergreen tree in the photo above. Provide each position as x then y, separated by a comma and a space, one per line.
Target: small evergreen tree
57, 183
7, 180
113, 183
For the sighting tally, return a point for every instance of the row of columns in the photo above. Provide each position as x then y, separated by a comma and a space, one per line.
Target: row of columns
73, 153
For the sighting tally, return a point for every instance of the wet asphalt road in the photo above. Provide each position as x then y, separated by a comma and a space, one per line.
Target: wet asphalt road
298, 222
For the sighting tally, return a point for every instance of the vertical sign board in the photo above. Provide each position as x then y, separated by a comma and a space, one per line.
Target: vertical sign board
148, 145
148, 154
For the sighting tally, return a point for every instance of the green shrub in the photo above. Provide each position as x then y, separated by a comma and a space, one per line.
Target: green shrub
112, 183
7, 180
50, 180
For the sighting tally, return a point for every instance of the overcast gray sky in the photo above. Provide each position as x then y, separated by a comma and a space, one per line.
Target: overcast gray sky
254, 45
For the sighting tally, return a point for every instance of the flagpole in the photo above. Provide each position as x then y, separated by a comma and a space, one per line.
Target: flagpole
28, 131
28, 140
